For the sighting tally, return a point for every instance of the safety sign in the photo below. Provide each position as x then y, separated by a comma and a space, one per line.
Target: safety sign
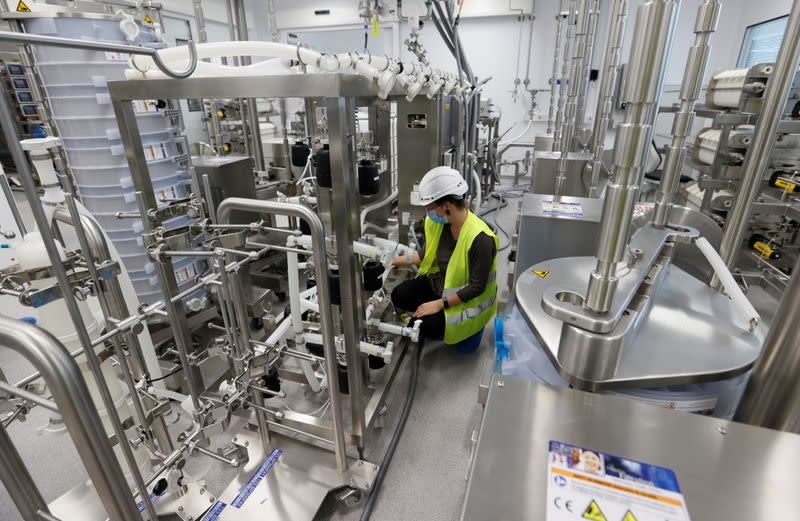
585, 484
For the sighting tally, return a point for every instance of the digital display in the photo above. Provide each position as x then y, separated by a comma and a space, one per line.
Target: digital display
29, 110
15, 69
24, 96
20, 83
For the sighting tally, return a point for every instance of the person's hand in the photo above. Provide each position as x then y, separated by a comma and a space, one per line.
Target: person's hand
429, 308
399, 261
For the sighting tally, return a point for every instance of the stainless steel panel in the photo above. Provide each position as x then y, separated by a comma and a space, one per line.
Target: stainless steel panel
418, 150
689, 335
726, 471
545, 172
228, 176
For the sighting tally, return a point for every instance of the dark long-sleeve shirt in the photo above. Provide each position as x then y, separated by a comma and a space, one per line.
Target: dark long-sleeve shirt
481, 256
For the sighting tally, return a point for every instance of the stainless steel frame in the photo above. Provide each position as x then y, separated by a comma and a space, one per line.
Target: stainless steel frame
64, 380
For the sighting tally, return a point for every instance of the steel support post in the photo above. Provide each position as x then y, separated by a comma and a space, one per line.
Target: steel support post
345, 214
605, 98
757, 157
565, 79
655, 25
705, 24
575, 75
556, 54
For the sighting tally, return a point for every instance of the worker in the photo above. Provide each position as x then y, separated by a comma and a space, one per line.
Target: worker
454, 293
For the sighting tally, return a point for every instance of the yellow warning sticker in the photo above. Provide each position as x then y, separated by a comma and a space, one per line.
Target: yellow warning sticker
22, 8
629, 516
542, 273
147, 19
593, 512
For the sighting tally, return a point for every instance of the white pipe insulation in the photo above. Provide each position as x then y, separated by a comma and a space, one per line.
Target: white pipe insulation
381, 70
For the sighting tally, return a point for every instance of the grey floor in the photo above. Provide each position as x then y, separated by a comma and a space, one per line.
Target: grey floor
425, 481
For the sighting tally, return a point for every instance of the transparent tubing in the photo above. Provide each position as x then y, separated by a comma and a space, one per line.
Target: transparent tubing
655, 27
705, 24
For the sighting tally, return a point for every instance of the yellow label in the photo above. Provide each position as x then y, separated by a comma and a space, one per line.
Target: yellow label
593, 512
376, 27
764, 249
147, 19
22, 8
542, 273
786, 185
629, 516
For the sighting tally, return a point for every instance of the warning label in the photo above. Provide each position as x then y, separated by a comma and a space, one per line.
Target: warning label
22, 8
148, 20
542, 273
588, 484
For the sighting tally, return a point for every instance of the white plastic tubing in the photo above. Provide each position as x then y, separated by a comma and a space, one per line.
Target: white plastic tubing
383, 71
731, 287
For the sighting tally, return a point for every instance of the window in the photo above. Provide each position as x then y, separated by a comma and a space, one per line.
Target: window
762, 42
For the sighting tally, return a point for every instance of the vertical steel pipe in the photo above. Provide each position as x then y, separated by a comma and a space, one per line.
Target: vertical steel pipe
119, 430
757, 157
605, 98
772, 396
705, 24
323, 295
583, 84
655, 27
563, 85
576, 69
18, 481
556, 54
64, 379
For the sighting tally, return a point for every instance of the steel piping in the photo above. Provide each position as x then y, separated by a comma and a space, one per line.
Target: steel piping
705, 24
64, 379
605, 99
757, 157
655, 27
323, 291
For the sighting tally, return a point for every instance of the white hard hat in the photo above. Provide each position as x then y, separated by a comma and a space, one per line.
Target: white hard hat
439, 182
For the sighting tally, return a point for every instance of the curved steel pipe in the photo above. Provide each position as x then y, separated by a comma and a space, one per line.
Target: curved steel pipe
64, 379
323, 291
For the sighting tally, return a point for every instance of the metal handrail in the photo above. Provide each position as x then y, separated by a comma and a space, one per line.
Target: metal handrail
64, 379
57, 41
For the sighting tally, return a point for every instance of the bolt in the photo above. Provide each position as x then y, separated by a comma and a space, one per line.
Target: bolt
360, 463
375, 468
500, 383
180, 509
202, 490
234, 438
247, 444
722, 430
211, 499
366, 485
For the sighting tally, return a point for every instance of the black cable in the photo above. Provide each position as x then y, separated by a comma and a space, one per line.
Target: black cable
366, 514
171, 373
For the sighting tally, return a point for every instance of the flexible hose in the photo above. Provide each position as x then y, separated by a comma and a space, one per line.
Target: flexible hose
366, 514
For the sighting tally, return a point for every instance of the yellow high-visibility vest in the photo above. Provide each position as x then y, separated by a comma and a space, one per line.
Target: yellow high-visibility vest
465, 319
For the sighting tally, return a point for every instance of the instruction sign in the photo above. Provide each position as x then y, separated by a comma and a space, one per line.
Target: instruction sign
585, 484
562, 209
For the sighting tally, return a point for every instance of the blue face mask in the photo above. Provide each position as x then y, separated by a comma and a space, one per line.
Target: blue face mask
435, 218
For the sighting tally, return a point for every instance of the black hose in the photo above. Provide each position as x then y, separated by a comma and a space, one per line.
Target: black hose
366, 514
